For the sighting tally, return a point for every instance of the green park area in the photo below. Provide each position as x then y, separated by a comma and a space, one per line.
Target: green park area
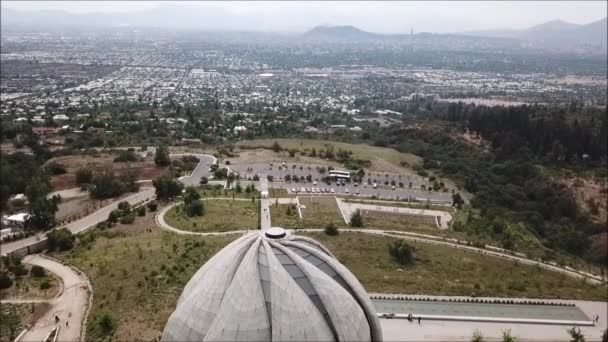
317, 212
441, 270
220, 215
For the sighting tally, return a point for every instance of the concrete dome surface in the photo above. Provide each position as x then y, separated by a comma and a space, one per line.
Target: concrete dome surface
273, 287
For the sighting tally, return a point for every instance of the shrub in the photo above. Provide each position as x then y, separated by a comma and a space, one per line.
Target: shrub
54, 168
45, 284
124, 206
128, 218
195, 208
152, 206
84, 176
61, 239
401, 252
141, 211
5, 281
105, 324
331, 230
125, 156
37, 271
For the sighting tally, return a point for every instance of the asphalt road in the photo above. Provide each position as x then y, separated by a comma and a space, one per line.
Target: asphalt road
144, 194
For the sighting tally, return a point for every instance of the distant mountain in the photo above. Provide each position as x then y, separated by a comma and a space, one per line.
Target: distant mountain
557, 33
341, 33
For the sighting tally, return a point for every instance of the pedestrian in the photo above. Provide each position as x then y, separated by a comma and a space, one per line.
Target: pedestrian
56, 319
597, 318
419, 320
67, 324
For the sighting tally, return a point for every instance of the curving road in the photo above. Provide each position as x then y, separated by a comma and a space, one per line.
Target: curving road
144, 194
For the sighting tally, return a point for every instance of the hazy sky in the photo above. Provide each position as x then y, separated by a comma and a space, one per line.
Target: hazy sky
431, 16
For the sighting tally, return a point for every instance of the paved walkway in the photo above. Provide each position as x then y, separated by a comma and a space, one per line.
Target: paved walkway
442, 218
431, 330
70, 307
265, 214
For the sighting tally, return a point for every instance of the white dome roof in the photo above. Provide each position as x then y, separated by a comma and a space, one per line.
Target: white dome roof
273, 287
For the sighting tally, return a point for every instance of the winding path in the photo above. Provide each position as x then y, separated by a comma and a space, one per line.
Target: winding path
401, 235
71, 306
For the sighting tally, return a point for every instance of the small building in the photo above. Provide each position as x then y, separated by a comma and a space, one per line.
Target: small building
46, 130
16, 220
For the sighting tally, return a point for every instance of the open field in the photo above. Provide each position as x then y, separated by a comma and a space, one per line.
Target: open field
16, 317
417, 205
382, 158
221, 215
137, 272
28, 287
390, 221
440, 270
318, 212
145, 169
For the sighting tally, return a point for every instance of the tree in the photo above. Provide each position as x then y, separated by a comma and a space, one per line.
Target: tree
605, 336
204, 181
457, 200
356, 219
238, 188
161, 158
401, 252
84, 176
276, 147
41, 208
61, 239
167, 187
331, 229
576, 334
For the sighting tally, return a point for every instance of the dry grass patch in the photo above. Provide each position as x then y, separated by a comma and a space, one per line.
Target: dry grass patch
441, 270
137, 272
16, 317
382, 158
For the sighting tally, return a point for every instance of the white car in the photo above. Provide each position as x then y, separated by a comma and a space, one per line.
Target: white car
356, 191
293, 190
346, 190
375, 185
303, 190
333, 191
307, 189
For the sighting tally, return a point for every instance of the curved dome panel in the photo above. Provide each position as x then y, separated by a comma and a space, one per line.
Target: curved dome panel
261, 288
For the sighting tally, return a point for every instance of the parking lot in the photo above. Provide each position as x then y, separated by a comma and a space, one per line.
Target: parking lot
363, 191
385, 185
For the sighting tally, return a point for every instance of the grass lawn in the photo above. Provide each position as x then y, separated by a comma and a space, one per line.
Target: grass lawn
379, 156
440, 270
390, 221
221, 215
415, 205
16, 317
320, 211
137, 272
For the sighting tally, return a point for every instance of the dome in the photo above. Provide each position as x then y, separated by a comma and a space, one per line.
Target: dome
273, 286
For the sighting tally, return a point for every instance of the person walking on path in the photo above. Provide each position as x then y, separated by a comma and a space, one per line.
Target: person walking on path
67, 324
419, 319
